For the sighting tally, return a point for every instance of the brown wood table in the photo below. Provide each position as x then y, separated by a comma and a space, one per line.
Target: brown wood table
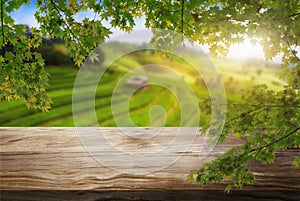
55, 160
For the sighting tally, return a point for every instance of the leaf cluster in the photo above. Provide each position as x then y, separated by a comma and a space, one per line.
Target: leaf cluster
272, 23
268, 121
22, 70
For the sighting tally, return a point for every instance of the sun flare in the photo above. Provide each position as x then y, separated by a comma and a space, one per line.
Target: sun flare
246, 50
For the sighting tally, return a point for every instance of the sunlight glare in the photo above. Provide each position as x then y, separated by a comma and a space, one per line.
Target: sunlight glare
246, 50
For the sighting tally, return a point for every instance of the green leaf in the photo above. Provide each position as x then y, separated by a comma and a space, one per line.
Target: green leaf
296, 162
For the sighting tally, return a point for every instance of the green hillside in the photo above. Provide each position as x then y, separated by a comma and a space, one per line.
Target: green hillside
235, 76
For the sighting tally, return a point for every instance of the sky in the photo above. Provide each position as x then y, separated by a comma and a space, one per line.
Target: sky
246, 50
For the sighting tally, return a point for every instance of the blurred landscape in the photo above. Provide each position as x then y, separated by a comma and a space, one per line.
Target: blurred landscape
235, 75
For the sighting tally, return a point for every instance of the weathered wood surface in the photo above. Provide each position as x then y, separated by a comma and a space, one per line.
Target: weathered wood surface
152, 195
55, 159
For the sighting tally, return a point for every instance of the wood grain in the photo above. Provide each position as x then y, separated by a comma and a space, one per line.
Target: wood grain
55, 159
151, 195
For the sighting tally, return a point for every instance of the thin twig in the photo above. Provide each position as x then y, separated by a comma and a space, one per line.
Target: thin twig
58, 9
269, 144
243, 114
2, 26
182, 22
254, 105
292, 15
290, 48
275, 141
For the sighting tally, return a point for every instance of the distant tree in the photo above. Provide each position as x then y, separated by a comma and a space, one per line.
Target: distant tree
259, 71
51, 55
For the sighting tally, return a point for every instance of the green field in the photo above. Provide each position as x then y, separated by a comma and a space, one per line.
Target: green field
235, 76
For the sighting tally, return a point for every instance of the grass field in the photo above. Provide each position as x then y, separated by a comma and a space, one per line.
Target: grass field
235, 76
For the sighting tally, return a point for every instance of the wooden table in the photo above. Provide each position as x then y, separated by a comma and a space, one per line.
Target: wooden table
55, 159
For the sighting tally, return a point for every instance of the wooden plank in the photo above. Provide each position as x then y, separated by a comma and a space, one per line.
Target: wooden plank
151, 195
55, 159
